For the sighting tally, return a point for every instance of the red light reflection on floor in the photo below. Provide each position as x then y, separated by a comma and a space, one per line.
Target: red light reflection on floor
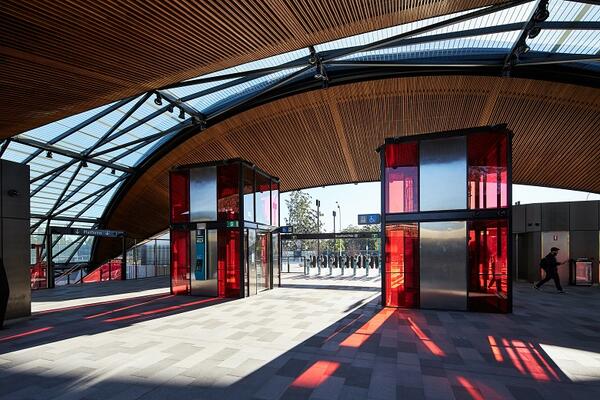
341, 329
431, 346
23, 334
318, 373
364, 332
525, 358
495, 349
161, 310
99, 303
126, 307
470, 388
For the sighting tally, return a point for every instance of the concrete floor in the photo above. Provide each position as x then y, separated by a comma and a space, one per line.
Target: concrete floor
316, 337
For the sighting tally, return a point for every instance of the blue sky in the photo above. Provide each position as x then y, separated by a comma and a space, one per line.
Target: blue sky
364, 198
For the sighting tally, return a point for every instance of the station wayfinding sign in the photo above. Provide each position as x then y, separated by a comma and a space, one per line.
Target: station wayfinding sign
286, 229
61, 230
369, 219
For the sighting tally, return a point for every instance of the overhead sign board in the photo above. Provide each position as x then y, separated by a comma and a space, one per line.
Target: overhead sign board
286, 229
369, 219
61, 230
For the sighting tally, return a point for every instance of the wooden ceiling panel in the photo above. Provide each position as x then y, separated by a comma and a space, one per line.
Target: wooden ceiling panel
301, 138
65, 57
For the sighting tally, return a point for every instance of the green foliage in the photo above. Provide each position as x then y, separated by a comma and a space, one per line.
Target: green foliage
302, 215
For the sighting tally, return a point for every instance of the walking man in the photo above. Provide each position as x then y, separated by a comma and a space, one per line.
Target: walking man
550, 265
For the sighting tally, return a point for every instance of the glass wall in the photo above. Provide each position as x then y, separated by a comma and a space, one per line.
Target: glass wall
402, 265
401, 176
228, 190
274, 203
488, 171
248, 194
179, 192
263, 199
488, 265
180, 261
228, 267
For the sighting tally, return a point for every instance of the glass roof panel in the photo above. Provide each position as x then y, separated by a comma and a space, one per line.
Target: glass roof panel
208, 103
566, 41
564, 10
483, 44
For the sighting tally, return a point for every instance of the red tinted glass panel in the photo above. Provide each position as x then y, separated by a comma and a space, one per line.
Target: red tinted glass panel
263, 199
180, 262
179, 196
401, 265
488, 265
228, 266
488, 171
401, 177
228, 192
274, 203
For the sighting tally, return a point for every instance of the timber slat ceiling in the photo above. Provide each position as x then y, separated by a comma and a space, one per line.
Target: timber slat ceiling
301, 139
63, 57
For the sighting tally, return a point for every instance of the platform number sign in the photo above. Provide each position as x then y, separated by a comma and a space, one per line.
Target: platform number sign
369, 219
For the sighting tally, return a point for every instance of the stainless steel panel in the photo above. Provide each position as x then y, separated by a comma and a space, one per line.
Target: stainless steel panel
15, 190
443, 265
519, 222
533, 216
15, 236
555, 217
203, 194
527, 250
584, 215
443, 174
558, 239
585, 244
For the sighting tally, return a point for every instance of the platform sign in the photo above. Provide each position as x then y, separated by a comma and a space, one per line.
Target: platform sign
60, 230
369, 219
286, 229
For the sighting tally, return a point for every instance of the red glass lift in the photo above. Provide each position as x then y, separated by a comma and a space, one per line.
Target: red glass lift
485, 215
217, 210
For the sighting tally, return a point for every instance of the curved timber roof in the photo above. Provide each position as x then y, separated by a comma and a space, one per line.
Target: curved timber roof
194, 82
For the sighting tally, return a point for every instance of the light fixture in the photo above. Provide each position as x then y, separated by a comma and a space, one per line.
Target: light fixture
48, 154
542, 13
170, 108
84, 163
112, 171
181, 113
533, 32
158, 99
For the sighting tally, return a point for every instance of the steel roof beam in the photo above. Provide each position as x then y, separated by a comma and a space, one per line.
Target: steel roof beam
68, 153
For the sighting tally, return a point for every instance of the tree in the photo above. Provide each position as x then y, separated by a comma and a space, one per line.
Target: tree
302, 217
355, 246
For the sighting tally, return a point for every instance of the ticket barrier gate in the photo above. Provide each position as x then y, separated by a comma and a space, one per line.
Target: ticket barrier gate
344, 262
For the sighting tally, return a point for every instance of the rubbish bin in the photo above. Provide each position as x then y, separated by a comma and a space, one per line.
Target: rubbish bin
582, 273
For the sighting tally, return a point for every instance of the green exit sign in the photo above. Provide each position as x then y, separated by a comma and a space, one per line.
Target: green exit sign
233, 224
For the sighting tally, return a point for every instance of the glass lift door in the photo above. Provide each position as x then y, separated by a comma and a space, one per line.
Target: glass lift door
203, 279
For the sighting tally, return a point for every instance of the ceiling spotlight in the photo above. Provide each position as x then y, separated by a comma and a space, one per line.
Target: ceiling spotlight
158, 99
170, 108
312, 59
112, 171
522, 49
48, 154
533, 32
181, 113
84, 164
542, 13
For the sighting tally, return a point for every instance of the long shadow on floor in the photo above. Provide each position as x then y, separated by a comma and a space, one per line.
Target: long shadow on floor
65, 323
381, 353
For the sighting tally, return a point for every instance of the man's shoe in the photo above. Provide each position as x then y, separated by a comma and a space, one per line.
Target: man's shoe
562, 292
536, 287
